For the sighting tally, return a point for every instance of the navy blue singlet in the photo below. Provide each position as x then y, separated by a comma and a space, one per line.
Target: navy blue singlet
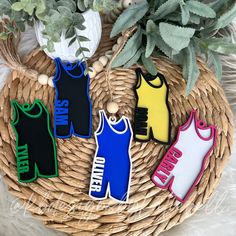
72, 108
112, 163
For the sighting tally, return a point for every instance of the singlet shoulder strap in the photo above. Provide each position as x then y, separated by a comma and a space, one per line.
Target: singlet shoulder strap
25, 110
199, 127
143, 79
102, 122
62, 69
189, 122
15, 108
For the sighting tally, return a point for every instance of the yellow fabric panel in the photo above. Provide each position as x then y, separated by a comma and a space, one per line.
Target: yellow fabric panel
154, 99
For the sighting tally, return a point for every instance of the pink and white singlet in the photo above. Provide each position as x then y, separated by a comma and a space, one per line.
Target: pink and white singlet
184, 163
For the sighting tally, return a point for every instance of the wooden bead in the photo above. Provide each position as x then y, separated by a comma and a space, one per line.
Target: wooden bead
103, 60
127, 3
119, 40
115, 47
98, 66
117, 11
43, 79
92, 72
108, 54
112, 107
113, 16
50, 82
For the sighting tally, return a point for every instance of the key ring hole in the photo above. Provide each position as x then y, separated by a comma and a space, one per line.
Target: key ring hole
201, 123
26, 106
112, 118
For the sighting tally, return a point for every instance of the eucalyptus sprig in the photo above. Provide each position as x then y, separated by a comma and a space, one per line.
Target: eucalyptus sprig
178, 29
57, 16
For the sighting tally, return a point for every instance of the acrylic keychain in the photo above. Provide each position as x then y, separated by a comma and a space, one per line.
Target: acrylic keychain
184, 163
72, 108
112, 165
35, 145
152, 113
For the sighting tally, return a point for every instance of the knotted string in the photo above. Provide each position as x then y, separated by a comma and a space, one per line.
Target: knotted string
127, 34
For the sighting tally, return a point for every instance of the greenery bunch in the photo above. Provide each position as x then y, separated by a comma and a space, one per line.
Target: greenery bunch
178, 29
58, 16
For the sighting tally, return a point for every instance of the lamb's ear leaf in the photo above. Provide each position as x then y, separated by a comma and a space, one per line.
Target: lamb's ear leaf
130, 49
165, 9
151, 30
215, 59
134, 59
200, 9
185, 15
149, 65
191, 68
219, 45
129, 17
226, 18
175, 36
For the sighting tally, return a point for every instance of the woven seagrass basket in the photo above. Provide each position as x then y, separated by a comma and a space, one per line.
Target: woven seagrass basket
63, 203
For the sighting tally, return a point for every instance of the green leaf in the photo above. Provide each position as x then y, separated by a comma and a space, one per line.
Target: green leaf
71, 41
200, 9
3, 36
167, 50
50, 46
71, 4
134, 59
21, 26
81, 6
184, 14
129, 50
84, 49
151, 43
78, 52
226, 18
221, 45
195, 19
192, 71
175, 36
70, 32
17, 6
166, 8
215, 59
83, 38
129, 17
151, 30
149, 65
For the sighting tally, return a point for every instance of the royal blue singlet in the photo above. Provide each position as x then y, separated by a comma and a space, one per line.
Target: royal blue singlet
112, 163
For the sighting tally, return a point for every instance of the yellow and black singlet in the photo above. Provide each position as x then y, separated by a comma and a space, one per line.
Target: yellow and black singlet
152, 113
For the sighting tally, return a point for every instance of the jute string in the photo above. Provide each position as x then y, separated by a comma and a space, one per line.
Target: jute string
124, 40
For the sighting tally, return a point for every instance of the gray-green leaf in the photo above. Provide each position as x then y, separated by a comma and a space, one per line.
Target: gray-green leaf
129, 17
192, 70
184, 14
166, 8
149, 65
129, 50
220, 45
134, 59
175, 36
151, 30
226, 18
200, 9
215, 59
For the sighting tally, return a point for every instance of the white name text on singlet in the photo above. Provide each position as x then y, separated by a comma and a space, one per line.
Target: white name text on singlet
97, 175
